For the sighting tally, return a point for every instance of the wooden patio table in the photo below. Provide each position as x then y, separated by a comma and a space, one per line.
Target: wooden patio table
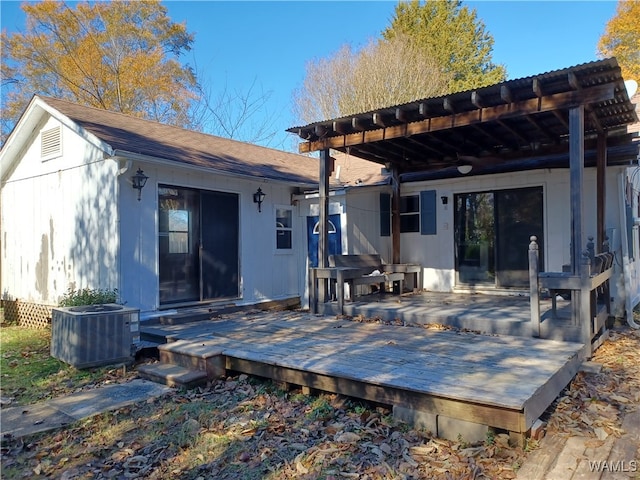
344, 274
414, 268
340, 275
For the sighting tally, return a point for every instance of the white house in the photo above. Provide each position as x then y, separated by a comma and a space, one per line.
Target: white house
456, 184
194, 233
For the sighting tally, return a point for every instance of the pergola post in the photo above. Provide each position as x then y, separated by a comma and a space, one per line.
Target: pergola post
601, 189
395, 215
576, 168
323, 241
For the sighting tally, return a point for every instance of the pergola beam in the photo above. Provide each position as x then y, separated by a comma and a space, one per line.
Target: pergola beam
550, 103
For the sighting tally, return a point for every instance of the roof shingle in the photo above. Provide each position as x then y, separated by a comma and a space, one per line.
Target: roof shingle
144, 137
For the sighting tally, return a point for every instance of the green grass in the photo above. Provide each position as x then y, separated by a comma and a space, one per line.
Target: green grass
320, 409
28, 373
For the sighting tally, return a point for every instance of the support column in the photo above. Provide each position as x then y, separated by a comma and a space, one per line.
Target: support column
576, 167
323, 241
395, 215
601, 189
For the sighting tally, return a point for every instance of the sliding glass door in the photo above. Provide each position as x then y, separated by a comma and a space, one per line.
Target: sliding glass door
475, 239
492, 231
198, 245
220, 251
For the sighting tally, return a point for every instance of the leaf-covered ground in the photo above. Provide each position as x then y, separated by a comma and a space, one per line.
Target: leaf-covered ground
242, 427
594, 403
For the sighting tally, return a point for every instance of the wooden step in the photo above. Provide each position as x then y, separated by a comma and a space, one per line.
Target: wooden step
173, 375
186, 364
203, 355
185, 317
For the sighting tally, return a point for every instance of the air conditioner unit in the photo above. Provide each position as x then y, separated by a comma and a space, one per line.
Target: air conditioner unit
94, 335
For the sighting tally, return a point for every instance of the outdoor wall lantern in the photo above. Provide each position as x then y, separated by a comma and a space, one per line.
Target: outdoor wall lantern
444, 199
258, 198
139, 181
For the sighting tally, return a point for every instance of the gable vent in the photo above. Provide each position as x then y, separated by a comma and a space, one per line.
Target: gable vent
51, 142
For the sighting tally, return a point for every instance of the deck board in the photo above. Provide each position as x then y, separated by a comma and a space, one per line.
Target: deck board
514, 374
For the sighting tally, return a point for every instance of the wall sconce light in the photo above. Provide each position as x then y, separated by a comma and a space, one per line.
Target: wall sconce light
464, 168
258, 198
444, 199
139, 181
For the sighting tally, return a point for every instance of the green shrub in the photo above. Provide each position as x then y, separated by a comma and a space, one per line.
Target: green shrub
88, 296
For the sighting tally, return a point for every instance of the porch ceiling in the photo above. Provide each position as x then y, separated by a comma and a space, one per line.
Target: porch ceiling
487, 127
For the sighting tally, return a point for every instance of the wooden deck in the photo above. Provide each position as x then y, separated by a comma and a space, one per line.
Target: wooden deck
492, 314
437, 376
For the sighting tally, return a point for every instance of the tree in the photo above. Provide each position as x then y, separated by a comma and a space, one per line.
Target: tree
383, 73
120, 56
621, 39
237, 114
453, 36
428, 50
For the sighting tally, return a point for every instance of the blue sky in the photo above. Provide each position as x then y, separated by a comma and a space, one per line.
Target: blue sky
268, 43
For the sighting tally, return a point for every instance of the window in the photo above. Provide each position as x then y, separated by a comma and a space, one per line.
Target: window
410, 214
283, 228
178, 231
51, 143
174, 220
332, 228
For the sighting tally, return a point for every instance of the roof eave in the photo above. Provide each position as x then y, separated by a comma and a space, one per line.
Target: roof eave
133, 156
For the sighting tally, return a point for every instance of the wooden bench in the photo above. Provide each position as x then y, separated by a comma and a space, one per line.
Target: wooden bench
590, 308
364, 270
356, 270
599, 263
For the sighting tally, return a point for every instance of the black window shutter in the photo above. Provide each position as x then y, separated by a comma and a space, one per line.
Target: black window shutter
428, 212
385, 215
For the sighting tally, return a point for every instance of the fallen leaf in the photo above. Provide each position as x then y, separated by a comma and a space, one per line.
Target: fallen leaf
348, 437
619, 399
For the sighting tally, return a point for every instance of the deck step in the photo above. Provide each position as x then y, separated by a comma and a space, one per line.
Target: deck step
205, 356
173, 375
182, 318
186, 364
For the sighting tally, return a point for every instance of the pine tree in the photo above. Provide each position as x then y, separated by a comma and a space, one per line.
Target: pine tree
453, 36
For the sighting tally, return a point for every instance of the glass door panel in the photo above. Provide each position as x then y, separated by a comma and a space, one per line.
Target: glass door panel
518, 216
492, 231
474, 238
220, 245
178, 243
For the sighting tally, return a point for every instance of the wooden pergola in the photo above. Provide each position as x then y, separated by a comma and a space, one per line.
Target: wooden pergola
568, 118
560, 118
